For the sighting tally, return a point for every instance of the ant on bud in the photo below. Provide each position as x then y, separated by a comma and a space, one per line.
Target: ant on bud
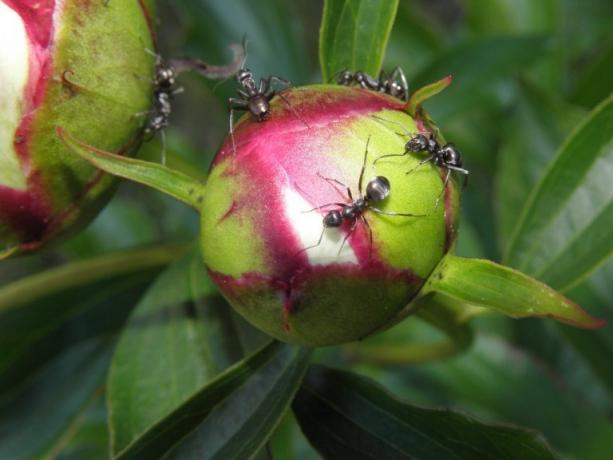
395, 84
446, 156
377, 190
255, 98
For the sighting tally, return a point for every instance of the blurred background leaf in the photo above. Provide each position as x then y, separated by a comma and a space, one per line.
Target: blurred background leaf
348, 416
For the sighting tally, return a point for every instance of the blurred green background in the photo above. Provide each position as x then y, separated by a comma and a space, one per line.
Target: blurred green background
525, 72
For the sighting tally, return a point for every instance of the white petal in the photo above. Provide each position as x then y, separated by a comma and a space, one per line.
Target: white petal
14, 66
308, 227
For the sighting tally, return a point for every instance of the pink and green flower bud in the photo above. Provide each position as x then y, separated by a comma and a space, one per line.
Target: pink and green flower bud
263, 210
80, 65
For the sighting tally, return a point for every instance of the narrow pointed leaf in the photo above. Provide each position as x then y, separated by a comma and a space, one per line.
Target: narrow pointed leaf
566, 227
348, 416
240, 425
354, 35
174, 183
267, 363
426, 92
486, 284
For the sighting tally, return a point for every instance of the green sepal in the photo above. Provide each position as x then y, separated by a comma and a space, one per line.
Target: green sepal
484, 283
426, 92
174, 183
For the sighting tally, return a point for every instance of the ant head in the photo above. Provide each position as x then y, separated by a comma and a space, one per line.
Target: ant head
451, 155
165, 75
243, 75
345, 77
378, 189
418, 143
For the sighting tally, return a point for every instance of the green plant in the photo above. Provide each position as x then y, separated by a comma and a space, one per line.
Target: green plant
188, 377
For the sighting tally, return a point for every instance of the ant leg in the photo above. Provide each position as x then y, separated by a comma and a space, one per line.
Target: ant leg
407, 133
445, 182
406, 152
363, 217
163, 141
394, 213
235, 104
271, 92
243, 94
422, 162
264, 86
460, 170
334, 181
321, 237
281, 81
363, 167
351, 230
325, 206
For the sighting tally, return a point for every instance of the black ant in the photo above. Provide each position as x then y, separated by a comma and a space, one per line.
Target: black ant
395, 84
254, 98
446, 156
377, 190
165, 79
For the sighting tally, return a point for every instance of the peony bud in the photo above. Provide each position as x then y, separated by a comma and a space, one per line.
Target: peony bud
264, 209
81, 65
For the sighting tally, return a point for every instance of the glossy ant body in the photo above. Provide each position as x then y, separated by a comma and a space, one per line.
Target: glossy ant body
446, 156
395, 84
253, 97
377, 190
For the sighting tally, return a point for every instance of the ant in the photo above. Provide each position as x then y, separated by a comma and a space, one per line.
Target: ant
395, 84
377, 190
164, 83
446, 156
254, 98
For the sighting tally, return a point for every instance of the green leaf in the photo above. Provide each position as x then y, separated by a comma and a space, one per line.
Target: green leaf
476, 68
496, 380
239, 425
354, 34
36, 418
486, 284
540, 121
275, 363
45, 313
595, 82
566, 228
191, 332
348, 416
174, 183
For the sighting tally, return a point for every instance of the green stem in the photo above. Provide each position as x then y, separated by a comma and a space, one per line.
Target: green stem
445, 314
34, 287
